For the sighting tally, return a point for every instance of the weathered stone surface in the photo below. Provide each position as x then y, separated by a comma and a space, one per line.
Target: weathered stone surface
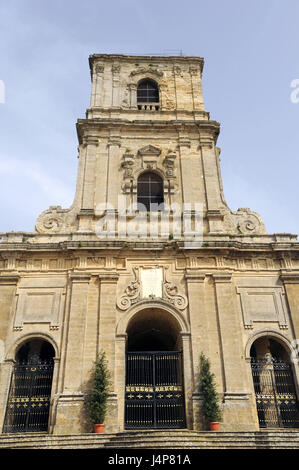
72, 286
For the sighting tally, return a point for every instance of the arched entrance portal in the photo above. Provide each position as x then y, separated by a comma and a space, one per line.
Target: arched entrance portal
275, 392
154, 395
30, 389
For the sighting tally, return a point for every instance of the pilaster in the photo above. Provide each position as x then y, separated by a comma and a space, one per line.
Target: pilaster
291, 284
107, 343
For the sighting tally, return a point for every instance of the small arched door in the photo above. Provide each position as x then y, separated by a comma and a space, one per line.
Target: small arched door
275, 392
30, 388
154, 396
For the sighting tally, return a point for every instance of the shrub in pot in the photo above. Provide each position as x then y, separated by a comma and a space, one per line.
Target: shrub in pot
96, 399
210, 399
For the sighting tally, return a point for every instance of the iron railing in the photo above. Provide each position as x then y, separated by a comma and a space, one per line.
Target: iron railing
154, 396
275, 393
29, 397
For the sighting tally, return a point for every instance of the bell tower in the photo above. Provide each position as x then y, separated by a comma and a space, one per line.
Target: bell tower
146, 141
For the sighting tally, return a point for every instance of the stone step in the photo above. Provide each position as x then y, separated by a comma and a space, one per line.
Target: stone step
155, 439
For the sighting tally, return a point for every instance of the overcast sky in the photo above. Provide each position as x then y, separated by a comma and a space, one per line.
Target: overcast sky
251, 52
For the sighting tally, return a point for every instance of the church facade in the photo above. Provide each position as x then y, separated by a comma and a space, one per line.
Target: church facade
151, 266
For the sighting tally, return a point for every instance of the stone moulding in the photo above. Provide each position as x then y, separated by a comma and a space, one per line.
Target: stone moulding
133, 293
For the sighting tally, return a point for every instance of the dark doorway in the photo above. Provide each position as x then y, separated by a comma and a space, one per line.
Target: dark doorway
275, 393
30, 389
154, 395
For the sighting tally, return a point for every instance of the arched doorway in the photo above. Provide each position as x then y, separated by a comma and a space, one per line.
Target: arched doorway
30, 388
154, 396
275, 392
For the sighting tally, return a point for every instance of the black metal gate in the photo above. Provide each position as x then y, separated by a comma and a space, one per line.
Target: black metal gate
275, 393
154, 390
29, 397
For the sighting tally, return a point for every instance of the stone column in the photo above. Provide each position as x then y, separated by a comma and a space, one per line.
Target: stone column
238, 408
133, 95
115, 86
211, 179
107, 327
8, 286
188, 378
120, 377
186, 170
229, 333
6, 369
97, 95
88, 190
70, 411
91, 143
199, 328
113, 188
291, 284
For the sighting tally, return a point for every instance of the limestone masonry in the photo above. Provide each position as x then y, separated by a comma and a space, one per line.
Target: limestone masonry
148, 285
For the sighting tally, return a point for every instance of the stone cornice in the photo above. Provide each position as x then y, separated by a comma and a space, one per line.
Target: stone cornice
222, 277
71, 243
9, 279
80, 277
86, 125
108, 278
145, 59
290, 278
194, 276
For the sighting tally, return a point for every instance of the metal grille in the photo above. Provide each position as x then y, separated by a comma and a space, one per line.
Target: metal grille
154, 390
150, 192
275, 393
29, 398
147, 92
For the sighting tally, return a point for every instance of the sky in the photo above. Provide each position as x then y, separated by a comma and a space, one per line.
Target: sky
251, 52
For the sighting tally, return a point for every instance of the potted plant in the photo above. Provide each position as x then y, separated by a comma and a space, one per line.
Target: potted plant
210, 405
96, 399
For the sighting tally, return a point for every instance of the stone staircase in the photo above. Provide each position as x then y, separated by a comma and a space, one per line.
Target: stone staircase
176, 439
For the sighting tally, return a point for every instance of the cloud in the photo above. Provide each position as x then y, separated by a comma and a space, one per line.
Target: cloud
52, 188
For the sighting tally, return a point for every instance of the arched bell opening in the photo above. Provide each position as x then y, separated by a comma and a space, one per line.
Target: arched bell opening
154, 395
30, 388
274, 386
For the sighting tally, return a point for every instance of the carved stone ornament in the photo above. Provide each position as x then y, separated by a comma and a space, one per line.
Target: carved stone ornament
149, 150
146, 71
51, 220
248, 222
168, 162
133, 293
172, 295
127, 163
99, 68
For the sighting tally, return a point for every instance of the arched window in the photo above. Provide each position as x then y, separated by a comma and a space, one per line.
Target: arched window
150, 192
147, 92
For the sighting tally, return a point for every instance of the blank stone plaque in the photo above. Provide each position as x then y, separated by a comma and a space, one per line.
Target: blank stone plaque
151, 282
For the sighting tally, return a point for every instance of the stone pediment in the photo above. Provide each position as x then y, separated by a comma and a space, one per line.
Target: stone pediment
149, 150
146, 71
